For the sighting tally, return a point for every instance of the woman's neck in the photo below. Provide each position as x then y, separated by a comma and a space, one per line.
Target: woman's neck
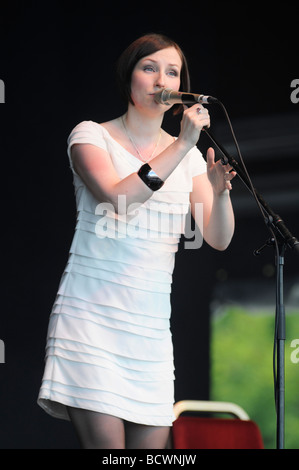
143, 128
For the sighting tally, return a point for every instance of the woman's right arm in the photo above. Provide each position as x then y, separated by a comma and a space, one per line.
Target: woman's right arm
95, 167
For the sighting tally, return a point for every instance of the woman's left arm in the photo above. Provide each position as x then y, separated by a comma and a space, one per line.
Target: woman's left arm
213, 191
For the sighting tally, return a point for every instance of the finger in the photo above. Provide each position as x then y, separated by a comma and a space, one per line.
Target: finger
228, 167
196, 106
210, 157
200, 110
203, 118
229, 172
227, 180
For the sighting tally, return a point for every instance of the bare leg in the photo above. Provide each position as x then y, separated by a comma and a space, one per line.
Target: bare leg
139, 436
97, 430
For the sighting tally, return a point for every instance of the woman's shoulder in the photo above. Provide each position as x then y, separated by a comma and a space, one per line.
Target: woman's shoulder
88, 132
87, 125
113, 128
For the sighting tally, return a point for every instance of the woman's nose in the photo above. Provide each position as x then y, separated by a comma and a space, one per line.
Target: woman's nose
160, 81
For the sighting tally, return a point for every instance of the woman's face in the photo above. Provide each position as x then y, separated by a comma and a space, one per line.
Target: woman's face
159, 70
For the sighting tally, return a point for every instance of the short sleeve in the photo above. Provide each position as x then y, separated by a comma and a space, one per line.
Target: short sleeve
86, 132
197, 163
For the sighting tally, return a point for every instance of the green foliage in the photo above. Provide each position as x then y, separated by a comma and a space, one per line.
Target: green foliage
242, 369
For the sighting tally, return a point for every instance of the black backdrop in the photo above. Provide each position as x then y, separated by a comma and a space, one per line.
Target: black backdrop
57, 63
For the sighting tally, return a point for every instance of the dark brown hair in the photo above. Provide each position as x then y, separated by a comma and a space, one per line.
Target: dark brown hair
142, 47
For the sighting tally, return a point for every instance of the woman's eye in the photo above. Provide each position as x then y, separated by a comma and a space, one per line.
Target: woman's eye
152, 69
149, 68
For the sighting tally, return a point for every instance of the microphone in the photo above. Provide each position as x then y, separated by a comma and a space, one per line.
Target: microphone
168, 96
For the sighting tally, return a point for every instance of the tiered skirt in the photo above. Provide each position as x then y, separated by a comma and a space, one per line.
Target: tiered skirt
109, 346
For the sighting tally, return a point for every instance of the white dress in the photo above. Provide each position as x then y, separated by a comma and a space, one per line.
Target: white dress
109, 346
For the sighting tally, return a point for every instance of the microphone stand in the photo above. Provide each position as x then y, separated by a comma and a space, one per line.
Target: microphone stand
282, 238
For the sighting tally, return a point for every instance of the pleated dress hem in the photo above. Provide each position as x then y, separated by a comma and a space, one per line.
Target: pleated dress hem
56, 405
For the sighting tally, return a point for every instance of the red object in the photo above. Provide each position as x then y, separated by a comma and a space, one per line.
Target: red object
189, 432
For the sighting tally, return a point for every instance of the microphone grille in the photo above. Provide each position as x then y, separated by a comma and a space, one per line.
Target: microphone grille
162, 96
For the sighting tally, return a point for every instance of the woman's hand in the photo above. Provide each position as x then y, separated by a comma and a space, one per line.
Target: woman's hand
193, 121
220, 176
